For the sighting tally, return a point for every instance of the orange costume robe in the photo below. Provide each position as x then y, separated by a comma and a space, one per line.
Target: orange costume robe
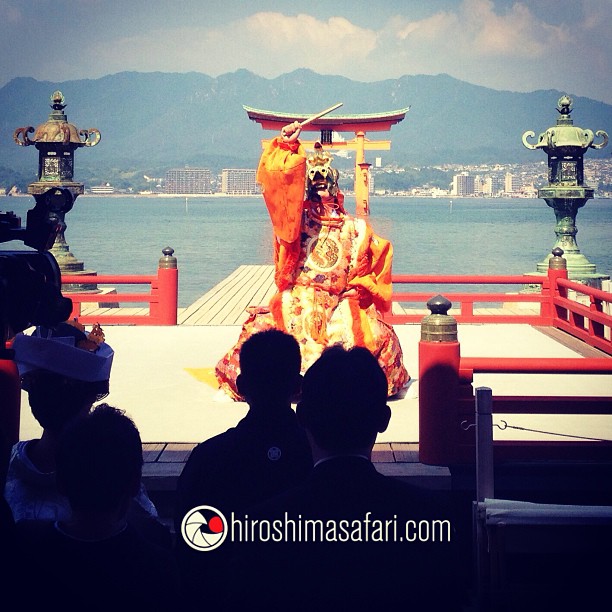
317, 259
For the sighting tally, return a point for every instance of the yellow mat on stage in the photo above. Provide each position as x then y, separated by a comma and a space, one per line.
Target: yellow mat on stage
205, 375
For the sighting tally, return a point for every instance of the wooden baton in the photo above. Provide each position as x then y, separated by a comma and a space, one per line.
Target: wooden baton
321, 114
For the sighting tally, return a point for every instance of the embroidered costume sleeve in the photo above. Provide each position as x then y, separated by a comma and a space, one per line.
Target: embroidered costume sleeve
372, 276
281, 173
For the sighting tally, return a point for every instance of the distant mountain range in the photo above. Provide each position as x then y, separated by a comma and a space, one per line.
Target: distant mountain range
156, 121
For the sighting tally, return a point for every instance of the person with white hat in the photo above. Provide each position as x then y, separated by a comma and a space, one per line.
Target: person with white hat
64, 371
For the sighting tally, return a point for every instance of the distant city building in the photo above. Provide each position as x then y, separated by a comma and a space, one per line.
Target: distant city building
239, 181
497, 184
436, 192
489, 185
188, 181
482, 185
105, 189
513, 183
463, 184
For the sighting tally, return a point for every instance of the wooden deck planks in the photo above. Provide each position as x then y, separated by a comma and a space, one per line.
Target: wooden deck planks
405, 452
209, 300
234, 311
164, 461
382, 453
176, 452
226, 303
575, 344
152, 451
94, 311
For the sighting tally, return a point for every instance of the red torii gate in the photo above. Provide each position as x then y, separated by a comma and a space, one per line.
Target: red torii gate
358, 124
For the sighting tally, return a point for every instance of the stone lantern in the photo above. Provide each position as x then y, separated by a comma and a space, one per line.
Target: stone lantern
55, 190
565, 144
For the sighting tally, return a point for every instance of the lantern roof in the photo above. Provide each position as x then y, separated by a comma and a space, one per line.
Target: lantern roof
565, 136
57, 129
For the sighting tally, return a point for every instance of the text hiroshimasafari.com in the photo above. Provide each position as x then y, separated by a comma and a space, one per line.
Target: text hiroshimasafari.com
367, 529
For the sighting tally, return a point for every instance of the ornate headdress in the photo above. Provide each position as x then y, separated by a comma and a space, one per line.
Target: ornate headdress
66, 350
320, 174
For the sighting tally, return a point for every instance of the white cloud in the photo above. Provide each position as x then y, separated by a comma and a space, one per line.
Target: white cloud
266, 43
516, 34
475, 30
505, 44
286, 42
504, 48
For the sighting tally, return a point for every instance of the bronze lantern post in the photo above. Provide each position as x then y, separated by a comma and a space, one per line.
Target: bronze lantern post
565, 144
55, 190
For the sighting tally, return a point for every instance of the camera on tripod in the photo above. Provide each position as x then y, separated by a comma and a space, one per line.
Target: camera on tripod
30, 280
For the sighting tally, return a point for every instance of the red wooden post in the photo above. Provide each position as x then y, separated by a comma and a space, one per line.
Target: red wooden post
596, 330
557, 268
439, 357
10, 400
546, 306
165, 310
76, 309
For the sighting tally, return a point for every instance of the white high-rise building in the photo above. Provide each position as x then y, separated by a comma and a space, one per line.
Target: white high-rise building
513, 183
239, 181
463, 184
188, 181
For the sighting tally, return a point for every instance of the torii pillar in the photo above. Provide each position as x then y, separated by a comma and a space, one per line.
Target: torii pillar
328, 125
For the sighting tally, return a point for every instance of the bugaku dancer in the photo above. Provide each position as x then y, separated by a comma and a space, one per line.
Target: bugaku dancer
332, 272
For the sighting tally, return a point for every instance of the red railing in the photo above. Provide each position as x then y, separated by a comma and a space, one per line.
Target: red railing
467, 301
446, 406
589, 323
569, 405
161, 300
553, 307
446, 394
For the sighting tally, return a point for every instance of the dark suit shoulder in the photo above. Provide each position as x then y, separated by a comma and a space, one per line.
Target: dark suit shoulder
250, 462
364, 539
350, 487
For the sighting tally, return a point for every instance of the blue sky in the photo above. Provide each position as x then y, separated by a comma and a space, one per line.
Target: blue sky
503, 44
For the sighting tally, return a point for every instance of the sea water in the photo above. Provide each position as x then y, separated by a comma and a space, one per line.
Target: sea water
212, 236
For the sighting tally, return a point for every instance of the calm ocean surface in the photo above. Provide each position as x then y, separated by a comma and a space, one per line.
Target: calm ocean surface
213, 236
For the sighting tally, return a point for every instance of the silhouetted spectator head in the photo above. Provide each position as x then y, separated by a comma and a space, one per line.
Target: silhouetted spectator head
270, 363
63, 371
99, 461
344, 400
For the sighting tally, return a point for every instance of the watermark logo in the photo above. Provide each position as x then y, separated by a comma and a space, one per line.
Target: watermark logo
204, 528
274, 453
